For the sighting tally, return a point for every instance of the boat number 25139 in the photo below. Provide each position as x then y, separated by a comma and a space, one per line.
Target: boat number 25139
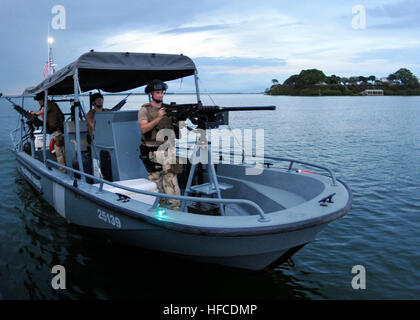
109, 218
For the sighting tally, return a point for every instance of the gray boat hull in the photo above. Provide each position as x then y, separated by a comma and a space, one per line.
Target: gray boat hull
131, 223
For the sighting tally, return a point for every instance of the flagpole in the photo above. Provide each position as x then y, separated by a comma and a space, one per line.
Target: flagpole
48, 42
50, 67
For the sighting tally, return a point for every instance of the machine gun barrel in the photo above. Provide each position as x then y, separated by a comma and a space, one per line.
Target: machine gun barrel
120, 104
32, 119
222, 109
204, 109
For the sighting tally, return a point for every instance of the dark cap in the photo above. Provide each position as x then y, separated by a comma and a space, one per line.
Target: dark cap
96, 96
40, 96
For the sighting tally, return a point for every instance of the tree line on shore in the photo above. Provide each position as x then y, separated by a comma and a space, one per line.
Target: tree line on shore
314, 82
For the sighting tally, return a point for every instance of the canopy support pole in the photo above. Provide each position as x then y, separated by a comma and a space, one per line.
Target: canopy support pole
197, 90
76, 121
44, 142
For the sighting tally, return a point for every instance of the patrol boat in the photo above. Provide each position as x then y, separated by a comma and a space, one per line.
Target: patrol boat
228, 216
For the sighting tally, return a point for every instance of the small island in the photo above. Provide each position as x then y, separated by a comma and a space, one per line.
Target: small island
314, 82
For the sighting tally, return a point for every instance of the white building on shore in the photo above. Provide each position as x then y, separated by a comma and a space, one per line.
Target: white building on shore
372, 92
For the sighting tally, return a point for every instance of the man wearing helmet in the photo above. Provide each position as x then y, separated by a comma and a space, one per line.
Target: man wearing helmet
97, 102
158, 129
55, 121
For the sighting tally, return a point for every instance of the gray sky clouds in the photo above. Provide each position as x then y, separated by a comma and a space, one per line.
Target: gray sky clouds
237, 45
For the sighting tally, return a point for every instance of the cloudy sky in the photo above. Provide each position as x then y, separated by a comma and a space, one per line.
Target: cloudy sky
237, 45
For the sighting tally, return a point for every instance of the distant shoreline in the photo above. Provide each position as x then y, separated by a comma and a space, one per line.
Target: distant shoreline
314, 82
339, 90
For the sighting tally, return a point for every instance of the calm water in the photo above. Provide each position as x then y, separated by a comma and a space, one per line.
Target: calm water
371, 143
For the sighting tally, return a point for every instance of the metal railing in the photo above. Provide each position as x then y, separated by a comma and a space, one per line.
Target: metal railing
263, 216
292, 161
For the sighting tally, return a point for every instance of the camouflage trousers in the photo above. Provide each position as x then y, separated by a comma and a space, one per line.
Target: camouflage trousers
166, 177
59, 148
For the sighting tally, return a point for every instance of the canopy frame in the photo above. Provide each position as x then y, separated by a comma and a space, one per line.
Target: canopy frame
115, 72
110, 72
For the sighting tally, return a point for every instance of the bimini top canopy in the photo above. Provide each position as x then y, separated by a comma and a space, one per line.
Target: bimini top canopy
115, 72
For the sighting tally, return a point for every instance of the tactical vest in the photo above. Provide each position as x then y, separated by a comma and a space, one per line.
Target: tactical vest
55, 117
149, 138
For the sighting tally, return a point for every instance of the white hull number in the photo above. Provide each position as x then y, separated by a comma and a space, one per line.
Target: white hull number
109, 218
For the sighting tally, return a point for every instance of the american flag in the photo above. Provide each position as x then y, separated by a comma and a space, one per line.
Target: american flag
47, 69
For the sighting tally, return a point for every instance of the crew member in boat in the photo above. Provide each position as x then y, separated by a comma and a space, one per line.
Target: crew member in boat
158, 129
98, 103
55, 121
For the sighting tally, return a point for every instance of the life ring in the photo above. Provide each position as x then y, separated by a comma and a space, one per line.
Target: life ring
52, 146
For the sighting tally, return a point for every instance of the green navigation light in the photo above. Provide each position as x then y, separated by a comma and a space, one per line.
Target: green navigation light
160, 212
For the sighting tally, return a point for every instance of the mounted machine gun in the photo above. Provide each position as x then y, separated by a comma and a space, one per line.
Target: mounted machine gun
205, 117
32, 120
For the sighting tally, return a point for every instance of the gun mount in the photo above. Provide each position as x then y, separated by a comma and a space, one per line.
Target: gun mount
206, 117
